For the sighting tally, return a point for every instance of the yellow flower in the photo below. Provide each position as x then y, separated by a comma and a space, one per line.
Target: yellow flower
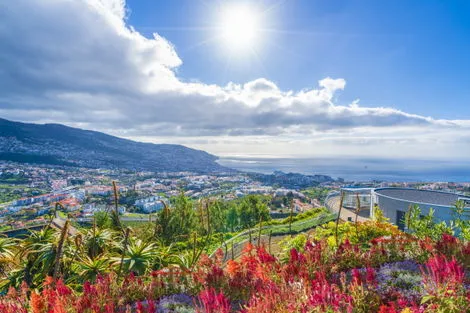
406, 310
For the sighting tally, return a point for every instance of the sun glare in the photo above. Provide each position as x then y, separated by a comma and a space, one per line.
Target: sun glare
239, 26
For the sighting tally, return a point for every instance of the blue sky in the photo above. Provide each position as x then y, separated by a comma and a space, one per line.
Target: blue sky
296, 78
412, 55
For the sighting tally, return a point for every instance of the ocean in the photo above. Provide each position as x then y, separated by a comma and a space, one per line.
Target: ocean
367, 169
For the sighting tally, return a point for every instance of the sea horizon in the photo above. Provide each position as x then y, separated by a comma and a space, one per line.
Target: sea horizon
356, 169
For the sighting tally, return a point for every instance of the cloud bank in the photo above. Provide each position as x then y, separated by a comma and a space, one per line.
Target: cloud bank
81, 63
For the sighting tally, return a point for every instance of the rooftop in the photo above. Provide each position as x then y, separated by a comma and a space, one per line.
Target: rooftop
421, 196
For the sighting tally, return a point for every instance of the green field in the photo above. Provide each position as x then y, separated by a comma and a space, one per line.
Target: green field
11, 192
139, 215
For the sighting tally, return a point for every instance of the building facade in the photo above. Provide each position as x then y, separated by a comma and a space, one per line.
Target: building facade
395, 202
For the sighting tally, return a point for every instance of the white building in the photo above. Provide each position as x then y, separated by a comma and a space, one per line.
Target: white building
150, 204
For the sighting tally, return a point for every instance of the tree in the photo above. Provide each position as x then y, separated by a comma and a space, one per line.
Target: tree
185, 217
176, 222
252, 210
163, 224
217, 210
424, 225
461, 215
232, 218
102, 219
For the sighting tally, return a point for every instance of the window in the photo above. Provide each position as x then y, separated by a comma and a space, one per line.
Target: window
401, 220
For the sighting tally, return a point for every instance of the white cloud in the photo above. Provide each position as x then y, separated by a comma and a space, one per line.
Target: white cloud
80, 63
331, 85
115, 7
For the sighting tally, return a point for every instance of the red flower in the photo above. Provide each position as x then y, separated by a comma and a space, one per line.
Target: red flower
264, 256
440, 272
356, 276
370, 276
214, 302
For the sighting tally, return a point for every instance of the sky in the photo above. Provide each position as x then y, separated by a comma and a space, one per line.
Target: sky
280, 78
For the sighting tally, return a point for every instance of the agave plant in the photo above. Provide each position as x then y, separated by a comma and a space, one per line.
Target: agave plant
88, 269
96, 241
37, 255
7, 251
166, 256
47, 256
138, 256
42, 254
7, 261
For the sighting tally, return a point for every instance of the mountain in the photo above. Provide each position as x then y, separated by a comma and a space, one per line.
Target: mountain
62, 145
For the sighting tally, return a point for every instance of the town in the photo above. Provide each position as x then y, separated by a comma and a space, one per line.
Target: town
29, 193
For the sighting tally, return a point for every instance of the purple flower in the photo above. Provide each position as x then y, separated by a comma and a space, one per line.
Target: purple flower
400, 279
176, 303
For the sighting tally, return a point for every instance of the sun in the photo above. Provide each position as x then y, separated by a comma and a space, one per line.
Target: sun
239, 26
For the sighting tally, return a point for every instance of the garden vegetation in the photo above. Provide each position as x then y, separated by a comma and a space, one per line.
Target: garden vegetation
350, 267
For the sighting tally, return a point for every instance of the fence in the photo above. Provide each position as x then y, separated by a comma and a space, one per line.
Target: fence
327, 204
233, 247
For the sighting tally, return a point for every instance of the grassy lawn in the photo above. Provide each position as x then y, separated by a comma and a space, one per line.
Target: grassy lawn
301, 226
4, 228
297, 227
139, 224
139, 215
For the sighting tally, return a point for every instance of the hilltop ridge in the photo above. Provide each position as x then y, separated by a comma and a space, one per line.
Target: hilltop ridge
58, 144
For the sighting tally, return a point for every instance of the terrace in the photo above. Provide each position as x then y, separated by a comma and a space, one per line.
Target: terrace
352, 199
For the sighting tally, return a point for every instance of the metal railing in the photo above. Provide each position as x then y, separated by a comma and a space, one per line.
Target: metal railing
327, 199
233, 247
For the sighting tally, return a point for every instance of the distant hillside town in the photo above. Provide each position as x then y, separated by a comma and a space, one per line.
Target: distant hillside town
29, 193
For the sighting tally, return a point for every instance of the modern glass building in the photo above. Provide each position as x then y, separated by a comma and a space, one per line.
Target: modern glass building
395, 202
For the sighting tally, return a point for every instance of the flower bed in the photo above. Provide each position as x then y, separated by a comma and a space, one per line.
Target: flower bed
387, 274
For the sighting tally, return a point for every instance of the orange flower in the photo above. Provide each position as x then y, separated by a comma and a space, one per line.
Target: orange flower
232, 267
49, 281
37, 303
12, 293
59, 307
248, 248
